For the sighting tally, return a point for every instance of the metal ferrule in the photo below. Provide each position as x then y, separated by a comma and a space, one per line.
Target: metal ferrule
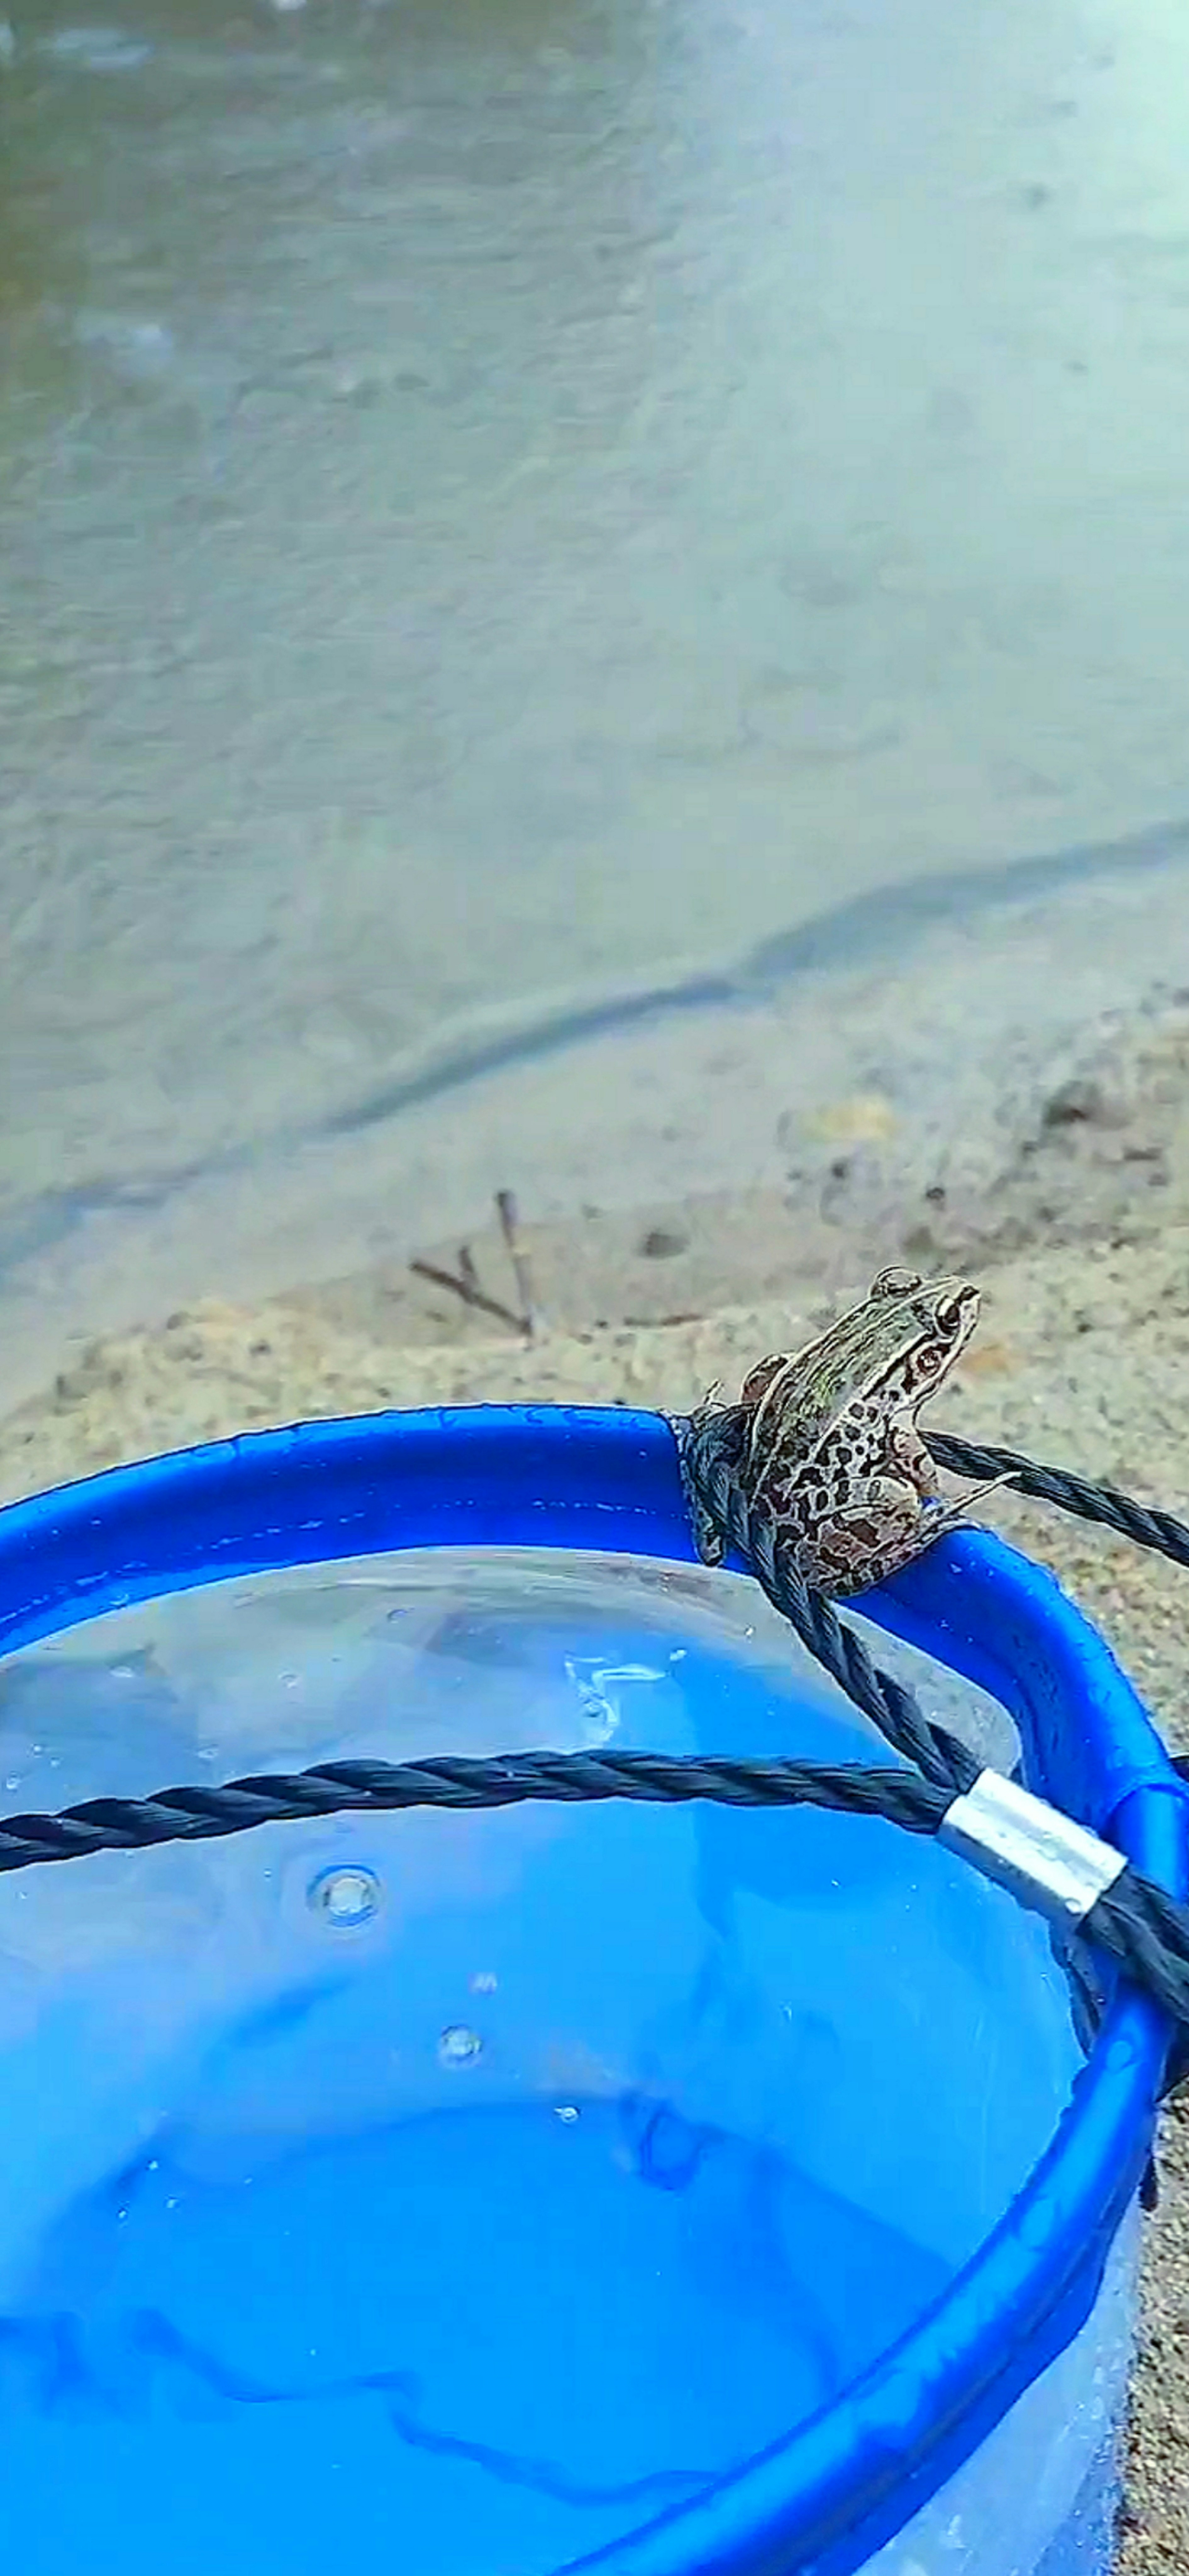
1048, 1862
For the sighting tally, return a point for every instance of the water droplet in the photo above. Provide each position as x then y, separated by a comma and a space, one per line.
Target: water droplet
345, 1896
459, 2046
14, 1782
484, 1982
567, 2111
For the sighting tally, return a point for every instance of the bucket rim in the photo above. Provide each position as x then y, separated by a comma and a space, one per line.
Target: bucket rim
607, 1479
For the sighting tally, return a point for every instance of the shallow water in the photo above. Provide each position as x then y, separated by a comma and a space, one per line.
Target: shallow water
505, 502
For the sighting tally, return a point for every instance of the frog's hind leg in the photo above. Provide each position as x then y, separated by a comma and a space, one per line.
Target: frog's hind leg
864, 1543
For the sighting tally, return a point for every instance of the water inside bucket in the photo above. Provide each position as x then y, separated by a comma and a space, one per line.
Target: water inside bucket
472, 2188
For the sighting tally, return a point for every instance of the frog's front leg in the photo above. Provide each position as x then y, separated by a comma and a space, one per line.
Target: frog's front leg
707, 1537
912, 1461
909, 1453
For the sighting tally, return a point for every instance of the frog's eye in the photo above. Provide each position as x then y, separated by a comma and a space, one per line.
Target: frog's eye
928, 1363
948, 1315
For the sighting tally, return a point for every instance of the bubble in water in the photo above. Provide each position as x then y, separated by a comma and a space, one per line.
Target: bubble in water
567, 2111
345, 1896
458, 2046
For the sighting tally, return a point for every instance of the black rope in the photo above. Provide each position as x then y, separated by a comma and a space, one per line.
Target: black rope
709, 1450
1136, 1923
457, 1781
1136, 1521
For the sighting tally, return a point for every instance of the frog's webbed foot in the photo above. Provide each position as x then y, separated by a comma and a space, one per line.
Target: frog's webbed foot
711, 1403
913, 1459
969, 1490
707, 1536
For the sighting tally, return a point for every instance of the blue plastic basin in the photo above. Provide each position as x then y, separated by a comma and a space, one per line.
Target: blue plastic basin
588, 2187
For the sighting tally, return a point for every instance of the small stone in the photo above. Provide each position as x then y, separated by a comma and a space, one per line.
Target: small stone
1078, 1103
661, 1243
867, 1118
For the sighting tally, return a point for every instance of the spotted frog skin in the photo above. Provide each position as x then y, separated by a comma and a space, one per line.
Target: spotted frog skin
832, 1449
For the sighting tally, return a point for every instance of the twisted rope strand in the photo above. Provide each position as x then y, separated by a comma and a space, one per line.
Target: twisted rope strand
1136, 1521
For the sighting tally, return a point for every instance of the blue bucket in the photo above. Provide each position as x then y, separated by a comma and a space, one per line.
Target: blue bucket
672, 2192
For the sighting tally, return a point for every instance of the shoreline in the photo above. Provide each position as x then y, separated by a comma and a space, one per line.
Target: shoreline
820, 1111
878, 928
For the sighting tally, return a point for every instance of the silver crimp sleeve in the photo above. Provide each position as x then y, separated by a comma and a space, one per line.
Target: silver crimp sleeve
1048, 1862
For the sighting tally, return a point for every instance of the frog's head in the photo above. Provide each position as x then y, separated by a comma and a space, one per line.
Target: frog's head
924, 1326
886, 1354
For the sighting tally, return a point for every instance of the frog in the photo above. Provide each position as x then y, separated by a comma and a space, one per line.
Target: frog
831, 1447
